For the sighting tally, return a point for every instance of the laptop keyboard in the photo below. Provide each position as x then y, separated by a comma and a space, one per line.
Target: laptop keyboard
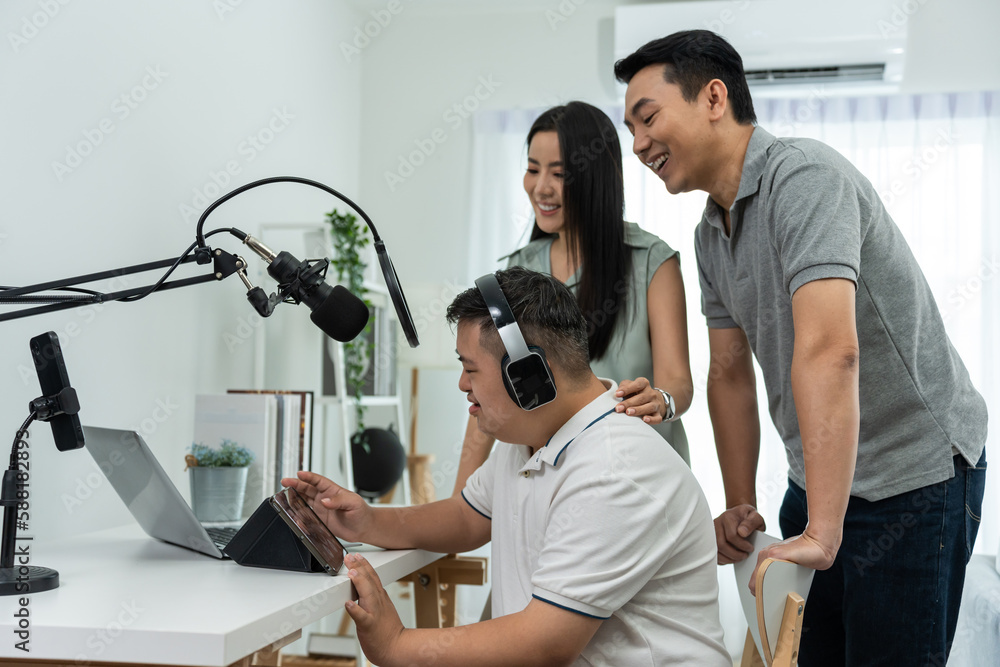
221, 535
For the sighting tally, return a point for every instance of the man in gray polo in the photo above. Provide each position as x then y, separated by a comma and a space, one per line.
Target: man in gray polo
884, 433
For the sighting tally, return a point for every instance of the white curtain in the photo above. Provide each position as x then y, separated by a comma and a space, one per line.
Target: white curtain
936, 161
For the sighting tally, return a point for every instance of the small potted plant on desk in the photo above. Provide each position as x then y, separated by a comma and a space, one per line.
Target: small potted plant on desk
218, 480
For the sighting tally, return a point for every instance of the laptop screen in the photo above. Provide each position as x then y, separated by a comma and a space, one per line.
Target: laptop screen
145, 488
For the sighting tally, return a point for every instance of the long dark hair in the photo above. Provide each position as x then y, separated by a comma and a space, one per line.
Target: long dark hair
593, 202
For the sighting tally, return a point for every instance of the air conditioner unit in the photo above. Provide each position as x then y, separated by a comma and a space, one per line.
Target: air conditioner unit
846, 47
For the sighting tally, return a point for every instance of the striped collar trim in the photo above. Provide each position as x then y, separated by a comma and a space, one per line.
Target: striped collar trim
593, 412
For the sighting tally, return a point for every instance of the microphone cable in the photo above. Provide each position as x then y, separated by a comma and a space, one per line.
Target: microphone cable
200, 238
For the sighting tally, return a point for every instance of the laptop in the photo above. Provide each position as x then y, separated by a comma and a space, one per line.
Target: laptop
150, 496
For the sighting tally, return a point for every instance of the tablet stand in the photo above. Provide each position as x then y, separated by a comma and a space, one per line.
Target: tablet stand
265, 540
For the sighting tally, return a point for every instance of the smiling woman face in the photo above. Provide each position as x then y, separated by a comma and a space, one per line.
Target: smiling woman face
543, 181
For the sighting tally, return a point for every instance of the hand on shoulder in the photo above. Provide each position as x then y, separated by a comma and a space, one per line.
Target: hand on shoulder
641, 399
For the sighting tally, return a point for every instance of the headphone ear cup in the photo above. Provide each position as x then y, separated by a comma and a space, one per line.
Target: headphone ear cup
504, 363
541, 353
531, 385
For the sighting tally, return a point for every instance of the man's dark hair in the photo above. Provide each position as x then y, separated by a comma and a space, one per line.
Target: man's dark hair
546, 312
691, 59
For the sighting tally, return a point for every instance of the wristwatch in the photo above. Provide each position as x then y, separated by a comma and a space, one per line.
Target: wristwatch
671, 407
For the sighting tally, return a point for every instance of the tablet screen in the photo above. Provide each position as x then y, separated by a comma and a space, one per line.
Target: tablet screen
322, 542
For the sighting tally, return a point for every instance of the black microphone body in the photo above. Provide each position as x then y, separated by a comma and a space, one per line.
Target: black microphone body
338, 313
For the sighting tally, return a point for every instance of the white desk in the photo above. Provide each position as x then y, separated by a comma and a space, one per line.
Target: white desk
125, 597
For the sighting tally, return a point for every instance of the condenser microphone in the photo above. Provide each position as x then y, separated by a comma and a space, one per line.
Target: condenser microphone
338, 313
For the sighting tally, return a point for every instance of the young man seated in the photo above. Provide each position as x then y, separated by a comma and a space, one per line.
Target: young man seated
603, 544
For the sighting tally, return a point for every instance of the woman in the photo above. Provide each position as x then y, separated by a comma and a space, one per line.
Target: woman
627, 281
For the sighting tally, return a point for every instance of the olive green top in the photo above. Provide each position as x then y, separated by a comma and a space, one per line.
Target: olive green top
629, 354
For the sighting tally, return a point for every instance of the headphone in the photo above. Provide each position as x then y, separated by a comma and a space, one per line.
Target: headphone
524, 369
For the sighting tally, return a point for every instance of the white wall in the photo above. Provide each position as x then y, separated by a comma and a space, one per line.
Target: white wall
952, 45
268, 70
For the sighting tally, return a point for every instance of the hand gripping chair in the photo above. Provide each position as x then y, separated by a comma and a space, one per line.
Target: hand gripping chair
774, 616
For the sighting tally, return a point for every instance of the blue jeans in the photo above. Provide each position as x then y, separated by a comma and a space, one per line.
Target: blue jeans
893, 593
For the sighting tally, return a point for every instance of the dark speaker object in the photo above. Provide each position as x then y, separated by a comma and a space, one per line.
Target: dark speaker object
379, 461
265, 540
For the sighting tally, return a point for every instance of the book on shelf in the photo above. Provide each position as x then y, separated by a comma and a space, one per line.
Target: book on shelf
275, 425
250, 421
293, 431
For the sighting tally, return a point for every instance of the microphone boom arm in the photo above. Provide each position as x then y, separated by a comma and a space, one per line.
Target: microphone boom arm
297, 282
224, 265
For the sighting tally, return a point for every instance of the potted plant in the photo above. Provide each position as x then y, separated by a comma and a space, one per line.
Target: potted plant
349, 238
218, 480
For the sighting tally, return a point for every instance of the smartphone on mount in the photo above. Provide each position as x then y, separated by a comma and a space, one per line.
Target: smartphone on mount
53, 378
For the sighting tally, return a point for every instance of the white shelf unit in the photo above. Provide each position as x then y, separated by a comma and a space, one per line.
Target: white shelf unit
333, 415
345, 401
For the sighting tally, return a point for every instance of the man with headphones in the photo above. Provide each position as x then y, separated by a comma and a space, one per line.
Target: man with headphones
603, 543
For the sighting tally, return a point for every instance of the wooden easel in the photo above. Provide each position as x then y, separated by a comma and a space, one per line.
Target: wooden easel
418, 465
421, 480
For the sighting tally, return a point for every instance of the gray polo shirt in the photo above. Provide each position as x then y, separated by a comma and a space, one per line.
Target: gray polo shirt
804, 213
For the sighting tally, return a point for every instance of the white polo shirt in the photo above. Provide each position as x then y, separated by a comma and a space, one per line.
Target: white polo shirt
607, 522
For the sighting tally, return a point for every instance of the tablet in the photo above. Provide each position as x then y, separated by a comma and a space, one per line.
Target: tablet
317, 537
